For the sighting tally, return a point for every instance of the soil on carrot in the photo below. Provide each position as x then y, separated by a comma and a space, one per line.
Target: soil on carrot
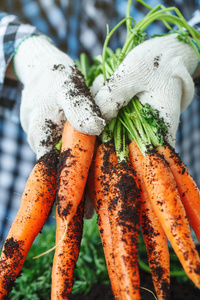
12, 248
73, 241
179, 291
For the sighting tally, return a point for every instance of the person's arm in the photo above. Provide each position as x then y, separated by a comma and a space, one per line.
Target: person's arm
53, 89
12, 32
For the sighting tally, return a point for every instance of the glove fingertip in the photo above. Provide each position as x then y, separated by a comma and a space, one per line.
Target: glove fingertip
92, 125
97, 84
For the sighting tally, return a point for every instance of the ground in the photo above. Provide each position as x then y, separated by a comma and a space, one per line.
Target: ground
184, 291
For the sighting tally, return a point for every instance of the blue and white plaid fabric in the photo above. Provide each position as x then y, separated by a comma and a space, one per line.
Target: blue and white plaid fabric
74, 26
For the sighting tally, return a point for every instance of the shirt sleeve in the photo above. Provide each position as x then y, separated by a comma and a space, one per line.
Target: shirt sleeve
12, 33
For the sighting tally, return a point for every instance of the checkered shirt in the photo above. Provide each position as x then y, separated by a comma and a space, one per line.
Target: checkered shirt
74, 26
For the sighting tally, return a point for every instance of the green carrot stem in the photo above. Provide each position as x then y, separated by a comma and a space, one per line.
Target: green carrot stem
134, 128
163, 14
128, 20
144, 4
120, 143
59, 145
154, 127
143, 125
108, 36
108, 131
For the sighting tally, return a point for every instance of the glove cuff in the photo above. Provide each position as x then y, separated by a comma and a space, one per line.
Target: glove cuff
33, 54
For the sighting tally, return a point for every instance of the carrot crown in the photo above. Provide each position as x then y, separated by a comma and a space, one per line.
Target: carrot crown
143, 125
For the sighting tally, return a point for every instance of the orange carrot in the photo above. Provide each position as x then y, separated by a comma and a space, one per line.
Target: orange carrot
91, 177
168, 207
188, 190
105, 160
66, 254
75, 159
36, 203
153, 233
124, 197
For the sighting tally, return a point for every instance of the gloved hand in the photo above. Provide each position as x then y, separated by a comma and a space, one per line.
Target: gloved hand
159, 72
53, 91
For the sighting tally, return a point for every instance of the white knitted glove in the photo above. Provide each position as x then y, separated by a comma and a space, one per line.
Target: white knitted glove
53, 91
159, 72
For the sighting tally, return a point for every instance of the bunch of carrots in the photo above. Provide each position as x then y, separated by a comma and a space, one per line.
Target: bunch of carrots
147, 189
134, 178
137, 179
64, 179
